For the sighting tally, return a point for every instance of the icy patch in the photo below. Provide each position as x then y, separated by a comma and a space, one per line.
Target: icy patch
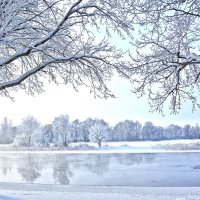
50, 192
2, 197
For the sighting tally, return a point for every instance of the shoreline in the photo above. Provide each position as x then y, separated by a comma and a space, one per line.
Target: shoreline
95, 151
165, 146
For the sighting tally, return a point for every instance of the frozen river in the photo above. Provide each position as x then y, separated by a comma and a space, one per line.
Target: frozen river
149, 170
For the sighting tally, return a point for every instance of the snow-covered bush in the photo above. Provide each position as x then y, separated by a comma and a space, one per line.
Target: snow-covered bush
179, 147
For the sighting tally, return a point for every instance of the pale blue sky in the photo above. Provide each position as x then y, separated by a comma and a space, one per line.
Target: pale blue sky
61, 99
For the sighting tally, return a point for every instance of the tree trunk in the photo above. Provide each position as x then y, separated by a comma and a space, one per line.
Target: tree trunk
99, 143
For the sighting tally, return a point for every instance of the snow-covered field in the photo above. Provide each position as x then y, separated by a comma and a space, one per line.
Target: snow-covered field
51, 192
116, 147
149, 145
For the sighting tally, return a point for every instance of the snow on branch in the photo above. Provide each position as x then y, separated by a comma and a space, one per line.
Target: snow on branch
46, 39
167, 57
163, 65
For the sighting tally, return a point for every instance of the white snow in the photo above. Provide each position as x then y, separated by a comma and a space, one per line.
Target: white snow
51, 192
193, 56
114, 147
137, 144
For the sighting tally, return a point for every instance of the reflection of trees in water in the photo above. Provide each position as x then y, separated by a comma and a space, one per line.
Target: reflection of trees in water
30, 171
134, 159
29, 166
61, 170
98, 163
6, 164
65, 166
4, 170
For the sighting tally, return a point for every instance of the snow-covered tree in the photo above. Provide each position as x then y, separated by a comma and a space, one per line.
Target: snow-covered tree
6, 131
58, 40
43, 136
61, 131
196, 131
118, 132
187, 131
27, 132
85, 126
158, 133
166, 63
148, 130
138, 130
76, 131
127, 131
98, 133
173, 132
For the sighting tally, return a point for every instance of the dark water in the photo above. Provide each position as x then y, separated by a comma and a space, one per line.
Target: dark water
164, 169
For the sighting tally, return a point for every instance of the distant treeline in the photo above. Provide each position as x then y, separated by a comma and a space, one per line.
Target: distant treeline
61, 131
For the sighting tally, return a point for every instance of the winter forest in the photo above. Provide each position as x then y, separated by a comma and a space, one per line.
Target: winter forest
61, 132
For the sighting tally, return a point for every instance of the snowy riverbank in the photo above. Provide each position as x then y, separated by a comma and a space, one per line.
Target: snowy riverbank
52, 192
113, 147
